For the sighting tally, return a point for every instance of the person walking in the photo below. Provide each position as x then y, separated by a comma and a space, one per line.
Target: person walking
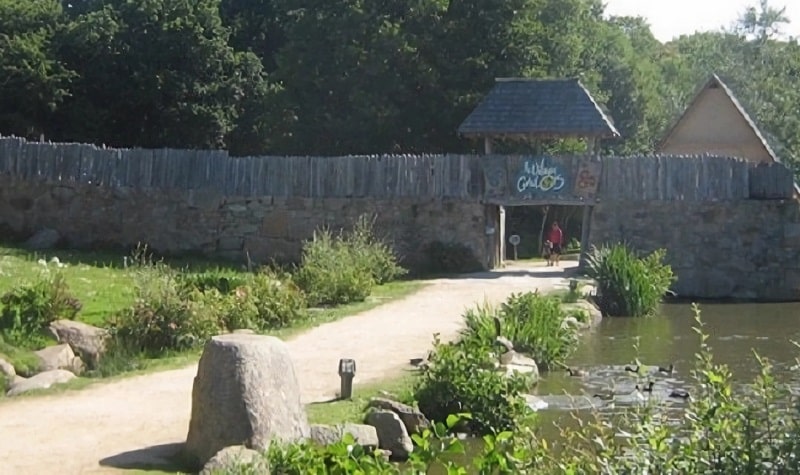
556, 238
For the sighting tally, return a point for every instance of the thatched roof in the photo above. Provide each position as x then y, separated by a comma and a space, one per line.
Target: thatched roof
538, 108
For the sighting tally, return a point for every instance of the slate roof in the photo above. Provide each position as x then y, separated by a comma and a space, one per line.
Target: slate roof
538, 107
715, 80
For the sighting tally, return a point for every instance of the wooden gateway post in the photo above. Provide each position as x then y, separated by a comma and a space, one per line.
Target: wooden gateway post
531, 111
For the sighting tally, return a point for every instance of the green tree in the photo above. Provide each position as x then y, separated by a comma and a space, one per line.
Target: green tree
32, 81
154, 73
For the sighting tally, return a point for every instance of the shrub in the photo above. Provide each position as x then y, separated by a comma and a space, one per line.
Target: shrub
534, 324
267, 301
222, 281
342, 458
628, 285
28, 309
376, 254
329, 273
462, 377
164, 315
344, 268
451, 258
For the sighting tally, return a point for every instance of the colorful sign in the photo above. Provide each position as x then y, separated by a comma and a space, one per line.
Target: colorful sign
540, 176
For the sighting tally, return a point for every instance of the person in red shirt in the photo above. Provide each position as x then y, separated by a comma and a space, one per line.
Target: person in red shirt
556, 238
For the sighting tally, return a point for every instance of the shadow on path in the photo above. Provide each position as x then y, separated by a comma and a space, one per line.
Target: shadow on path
165, 457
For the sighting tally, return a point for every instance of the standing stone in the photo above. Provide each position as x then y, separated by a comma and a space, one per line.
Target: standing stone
245, 393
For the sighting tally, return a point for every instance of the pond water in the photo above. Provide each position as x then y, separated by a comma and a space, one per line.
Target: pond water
735, 331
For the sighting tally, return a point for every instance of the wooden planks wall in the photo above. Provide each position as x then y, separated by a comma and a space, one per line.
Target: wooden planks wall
663, 178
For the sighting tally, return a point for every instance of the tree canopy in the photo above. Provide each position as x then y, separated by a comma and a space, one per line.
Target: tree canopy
359, 76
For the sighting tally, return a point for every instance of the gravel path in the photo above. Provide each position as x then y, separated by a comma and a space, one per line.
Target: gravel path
141, 419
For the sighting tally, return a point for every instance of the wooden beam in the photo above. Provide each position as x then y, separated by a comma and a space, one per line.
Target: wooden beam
501, 201
586, 224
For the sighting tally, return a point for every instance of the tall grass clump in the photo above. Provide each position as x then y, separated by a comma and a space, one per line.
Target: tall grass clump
534, 323
342, 268
628, 285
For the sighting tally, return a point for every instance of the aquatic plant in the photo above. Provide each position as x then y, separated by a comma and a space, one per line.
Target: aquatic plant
628, 285
534, 323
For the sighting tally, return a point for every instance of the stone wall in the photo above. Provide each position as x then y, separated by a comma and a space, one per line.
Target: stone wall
211, 224
739, 249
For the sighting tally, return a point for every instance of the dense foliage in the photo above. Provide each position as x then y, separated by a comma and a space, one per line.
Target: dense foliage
321, 77
27, 310
343, 268
462, 377
533, 323
628, 285
751, 429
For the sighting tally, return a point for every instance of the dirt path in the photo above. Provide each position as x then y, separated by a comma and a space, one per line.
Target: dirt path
113, 425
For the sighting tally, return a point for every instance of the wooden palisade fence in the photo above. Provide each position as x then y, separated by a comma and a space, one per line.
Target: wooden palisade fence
695, 178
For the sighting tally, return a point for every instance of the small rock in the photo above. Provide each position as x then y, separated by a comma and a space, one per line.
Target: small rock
414, 420
60, 357
7, 369
595, 316
512, 361
230, 458
365, 435
87, 341
392, 434
535, 402
44, 239
40, 381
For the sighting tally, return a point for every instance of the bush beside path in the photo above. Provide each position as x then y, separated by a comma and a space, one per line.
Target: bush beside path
106, 426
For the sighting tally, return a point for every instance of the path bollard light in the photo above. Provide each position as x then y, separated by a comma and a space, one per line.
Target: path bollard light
347, 371
514, 240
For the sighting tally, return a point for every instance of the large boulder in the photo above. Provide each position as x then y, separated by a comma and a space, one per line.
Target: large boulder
233, 459
59, 357
40, 381
44, 239
245, 393
87, 341
392, 433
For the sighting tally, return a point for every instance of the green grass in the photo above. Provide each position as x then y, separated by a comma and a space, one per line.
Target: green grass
352, 410
97, 280
382, 294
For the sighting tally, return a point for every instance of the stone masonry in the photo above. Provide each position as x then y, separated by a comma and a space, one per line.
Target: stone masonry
211, 224
745, 249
